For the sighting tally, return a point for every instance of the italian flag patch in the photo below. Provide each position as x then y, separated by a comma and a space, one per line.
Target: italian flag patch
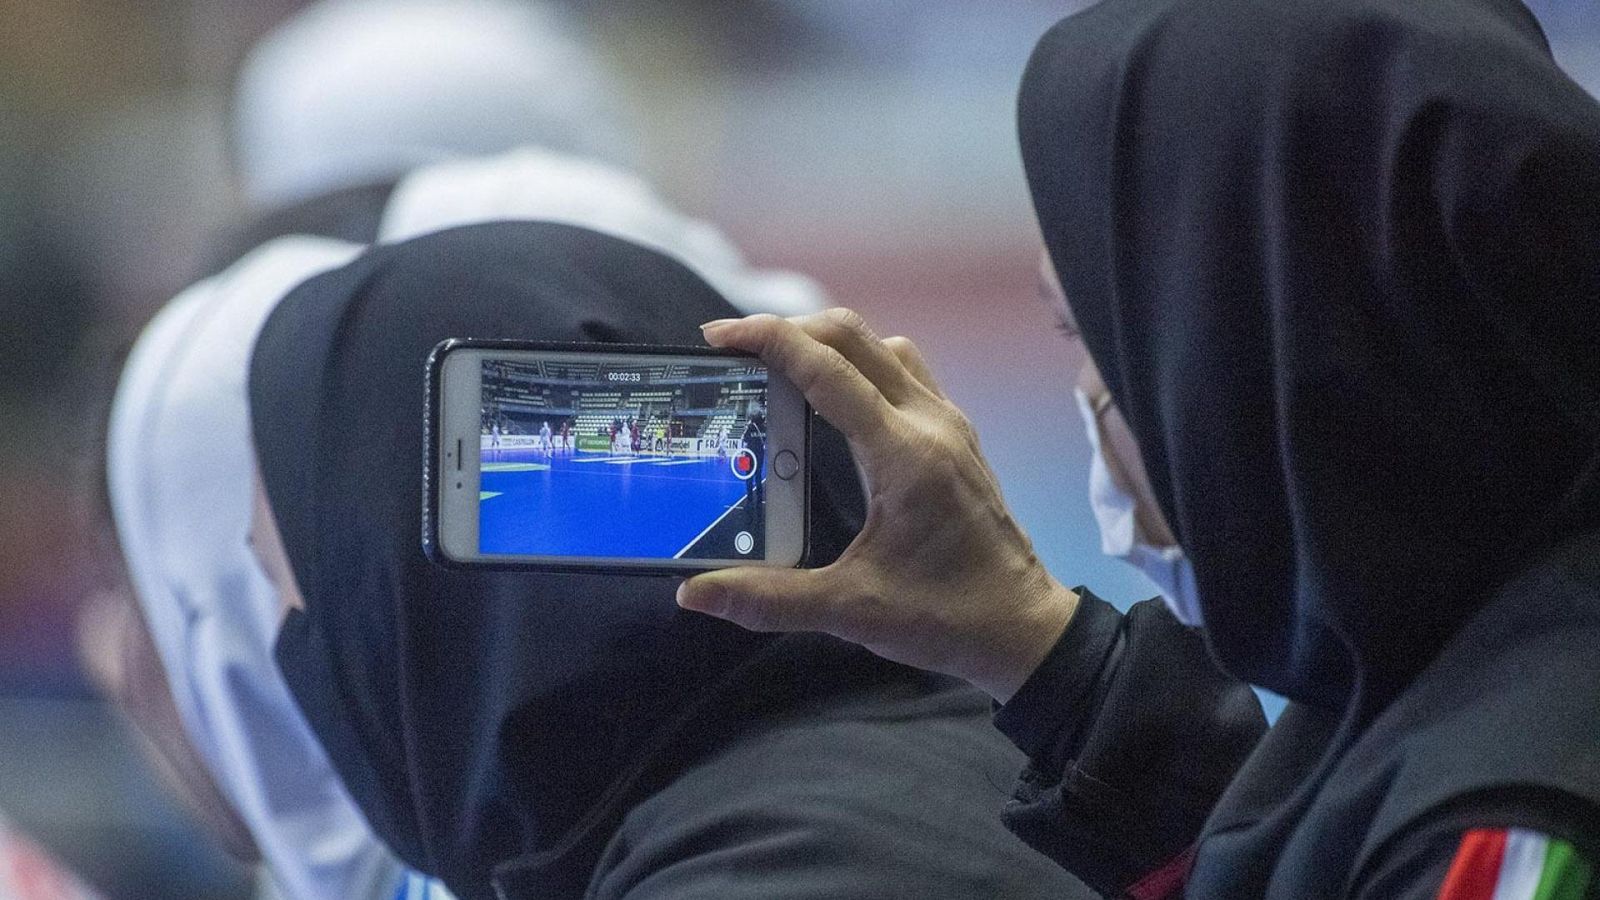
1516, 864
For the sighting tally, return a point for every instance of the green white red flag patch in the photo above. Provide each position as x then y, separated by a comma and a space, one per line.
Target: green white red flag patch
1516, 864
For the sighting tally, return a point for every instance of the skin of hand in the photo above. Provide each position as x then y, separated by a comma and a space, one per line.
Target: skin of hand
941, 577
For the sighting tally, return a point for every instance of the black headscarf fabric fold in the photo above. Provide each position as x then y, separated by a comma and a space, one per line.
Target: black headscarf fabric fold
484, 719
1339, 263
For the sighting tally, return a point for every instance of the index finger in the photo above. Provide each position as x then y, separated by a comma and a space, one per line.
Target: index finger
829, 381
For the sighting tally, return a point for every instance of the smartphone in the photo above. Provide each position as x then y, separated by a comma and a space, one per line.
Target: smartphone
610, 457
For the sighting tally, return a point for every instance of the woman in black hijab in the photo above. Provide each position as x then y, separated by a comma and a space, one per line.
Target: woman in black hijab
544, 736
1338, 263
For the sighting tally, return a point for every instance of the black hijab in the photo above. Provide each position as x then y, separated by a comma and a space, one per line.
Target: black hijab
1339, 263
487, 720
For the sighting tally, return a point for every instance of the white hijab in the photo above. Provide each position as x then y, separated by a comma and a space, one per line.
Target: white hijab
180, 468
538, 184
352, 92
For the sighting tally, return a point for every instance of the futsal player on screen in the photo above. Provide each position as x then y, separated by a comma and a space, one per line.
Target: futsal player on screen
755, 440
545, 443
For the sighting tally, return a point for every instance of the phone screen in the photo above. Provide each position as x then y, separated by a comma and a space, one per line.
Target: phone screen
627, 459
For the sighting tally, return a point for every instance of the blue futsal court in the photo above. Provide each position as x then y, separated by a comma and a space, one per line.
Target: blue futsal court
604, 504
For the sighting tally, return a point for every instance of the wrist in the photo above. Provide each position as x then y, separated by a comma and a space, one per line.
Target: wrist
1044, 609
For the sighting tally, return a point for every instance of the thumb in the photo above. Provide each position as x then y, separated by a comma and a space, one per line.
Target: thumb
762, 599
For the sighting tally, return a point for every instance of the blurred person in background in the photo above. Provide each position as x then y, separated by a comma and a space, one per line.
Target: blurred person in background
335, 105
44, 306
369, 120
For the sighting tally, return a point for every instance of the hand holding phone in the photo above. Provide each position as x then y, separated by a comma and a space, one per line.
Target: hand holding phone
615, 458
941, 577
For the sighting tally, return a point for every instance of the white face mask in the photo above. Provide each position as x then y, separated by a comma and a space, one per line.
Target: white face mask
1120, 533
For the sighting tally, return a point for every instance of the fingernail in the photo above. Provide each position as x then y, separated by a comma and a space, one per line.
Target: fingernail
717, 323
709, 599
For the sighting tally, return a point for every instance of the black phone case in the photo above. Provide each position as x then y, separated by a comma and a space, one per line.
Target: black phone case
433, 408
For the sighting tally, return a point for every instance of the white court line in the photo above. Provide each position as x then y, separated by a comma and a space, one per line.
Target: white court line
680, 553
604, 459
678, 462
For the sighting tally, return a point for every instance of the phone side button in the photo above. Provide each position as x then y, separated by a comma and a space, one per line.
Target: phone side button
785, 465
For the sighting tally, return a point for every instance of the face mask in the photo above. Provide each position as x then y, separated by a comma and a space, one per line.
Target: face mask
1120, 534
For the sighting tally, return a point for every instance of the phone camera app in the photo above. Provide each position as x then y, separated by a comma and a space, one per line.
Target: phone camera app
626, 459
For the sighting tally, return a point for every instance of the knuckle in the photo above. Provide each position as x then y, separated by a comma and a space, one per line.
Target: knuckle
846, 318
842, 327
835, 327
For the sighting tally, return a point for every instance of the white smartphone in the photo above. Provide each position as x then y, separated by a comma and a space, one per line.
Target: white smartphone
611, 457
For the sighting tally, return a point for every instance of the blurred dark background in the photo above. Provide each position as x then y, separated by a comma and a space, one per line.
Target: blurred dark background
867, 144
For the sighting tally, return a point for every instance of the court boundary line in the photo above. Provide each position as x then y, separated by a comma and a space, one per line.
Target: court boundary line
680, 553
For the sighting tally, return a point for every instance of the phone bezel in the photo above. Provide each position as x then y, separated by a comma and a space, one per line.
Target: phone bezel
788, 499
